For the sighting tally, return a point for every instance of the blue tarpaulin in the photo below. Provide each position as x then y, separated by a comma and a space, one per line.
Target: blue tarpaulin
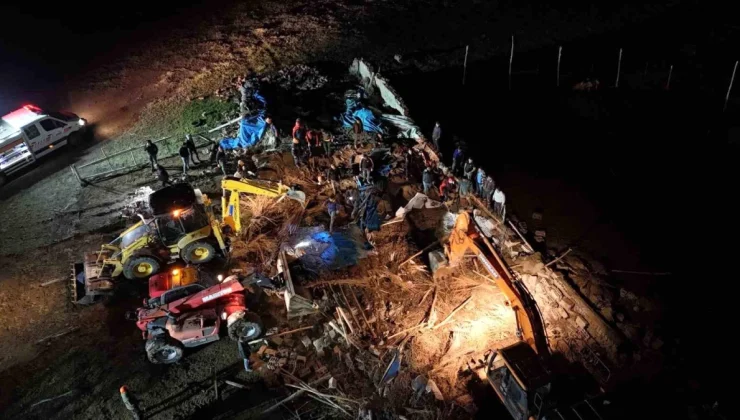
251, 127
354, 109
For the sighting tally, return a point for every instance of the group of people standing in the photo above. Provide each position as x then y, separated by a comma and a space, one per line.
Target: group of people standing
472, 178
303, 139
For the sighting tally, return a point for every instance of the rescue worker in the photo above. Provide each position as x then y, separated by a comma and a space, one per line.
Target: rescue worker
366, 167
437, 135
241, 170
357, 130
457, 159
446, 188
332, 208
163, 176
221, 159
299, 136
488, 187
185, 157
328, 140
408, 160
480, 176
427, 179
499, 203
270, 137
332, 177
469, 170
151, 151
192, 149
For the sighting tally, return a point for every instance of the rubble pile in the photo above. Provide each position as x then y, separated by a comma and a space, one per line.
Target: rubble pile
297, 77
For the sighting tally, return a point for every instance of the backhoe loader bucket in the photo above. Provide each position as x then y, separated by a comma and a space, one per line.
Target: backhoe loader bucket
90, 282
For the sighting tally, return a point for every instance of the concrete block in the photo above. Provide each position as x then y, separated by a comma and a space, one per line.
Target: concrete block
300, 358
582, 323
567, 303
555, 293
563, 313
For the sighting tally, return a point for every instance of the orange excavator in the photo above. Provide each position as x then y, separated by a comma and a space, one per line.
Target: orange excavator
518, 373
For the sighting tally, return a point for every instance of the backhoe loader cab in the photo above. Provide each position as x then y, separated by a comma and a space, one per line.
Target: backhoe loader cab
181, 226
520, 381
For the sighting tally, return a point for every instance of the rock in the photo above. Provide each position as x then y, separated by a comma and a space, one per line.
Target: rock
282, 362
563, 313
306, 341
270, 352
620, 317
579, 280
536, 215
608, 313
277, 340
262, 349
332, 383
567, 303
582, 323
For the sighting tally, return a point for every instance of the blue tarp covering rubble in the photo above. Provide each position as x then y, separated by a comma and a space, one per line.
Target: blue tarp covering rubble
355, 109
251, 128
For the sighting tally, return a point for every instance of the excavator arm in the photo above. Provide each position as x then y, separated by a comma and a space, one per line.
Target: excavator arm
232, 187
465, 238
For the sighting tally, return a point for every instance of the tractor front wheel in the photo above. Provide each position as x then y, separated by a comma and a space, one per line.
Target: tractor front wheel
141, 267
198, 252
246, 328
163, 351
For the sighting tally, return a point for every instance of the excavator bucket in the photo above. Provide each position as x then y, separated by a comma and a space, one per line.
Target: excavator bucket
296, 195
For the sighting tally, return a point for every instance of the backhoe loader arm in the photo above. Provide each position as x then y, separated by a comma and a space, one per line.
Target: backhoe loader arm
232, 187
463, 239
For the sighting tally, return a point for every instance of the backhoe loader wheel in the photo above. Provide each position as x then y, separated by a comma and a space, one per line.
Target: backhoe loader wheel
246, 328
163, 350
198, 252
140, 267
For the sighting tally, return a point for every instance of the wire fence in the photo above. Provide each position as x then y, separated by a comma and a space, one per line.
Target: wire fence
109, 165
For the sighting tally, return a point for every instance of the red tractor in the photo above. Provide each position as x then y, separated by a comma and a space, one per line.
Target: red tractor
193, 315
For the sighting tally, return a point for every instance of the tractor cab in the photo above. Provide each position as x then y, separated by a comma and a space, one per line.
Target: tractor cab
177, 212
520, 380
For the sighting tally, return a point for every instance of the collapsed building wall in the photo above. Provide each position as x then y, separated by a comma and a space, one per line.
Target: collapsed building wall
372, 81
574, 327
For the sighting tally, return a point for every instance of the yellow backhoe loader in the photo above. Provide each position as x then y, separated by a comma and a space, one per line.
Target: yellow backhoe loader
182, 227
232, 187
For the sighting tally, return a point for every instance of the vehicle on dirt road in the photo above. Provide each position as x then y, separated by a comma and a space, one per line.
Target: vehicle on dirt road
193, 315
29, 133
182, 226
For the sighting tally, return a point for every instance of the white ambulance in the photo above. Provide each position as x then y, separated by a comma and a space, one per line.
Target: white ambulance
29, 133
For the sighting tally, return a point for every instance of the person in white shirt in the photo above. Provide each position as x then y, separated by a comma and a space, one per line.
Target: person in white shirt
499, 203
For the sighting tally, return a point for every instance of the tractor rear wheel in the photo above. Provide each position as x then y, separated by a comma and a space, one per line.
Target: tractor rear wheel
163, 350
246, 328
198, 252
141, 267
